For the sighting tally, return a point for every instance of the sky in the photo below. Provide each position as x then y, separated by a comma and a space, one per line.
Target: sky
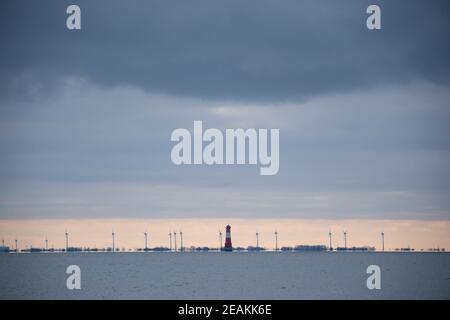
129, 233
86, 116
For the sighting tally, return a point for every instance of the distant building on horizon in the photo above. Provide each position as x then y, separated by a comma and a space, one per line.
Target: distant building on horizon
258, 248
4, 249
310, 248
365, 248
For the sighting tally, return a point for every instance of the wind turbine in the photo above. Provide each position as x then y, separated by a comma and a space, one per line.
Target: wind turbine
113, 242
220, 240
67, 241
145, 234
382, 240
345, 240
170, 240
175, 238
181, 240
46, 244
257, 240
276, 240
331, 245
16, 245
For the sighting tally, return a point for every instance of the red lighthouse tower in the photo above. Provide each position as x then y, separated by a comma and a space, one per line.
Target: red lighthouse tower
228, 246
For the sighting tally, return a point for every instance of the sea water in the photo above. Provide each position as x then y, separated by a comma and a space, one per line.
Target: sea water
235, 275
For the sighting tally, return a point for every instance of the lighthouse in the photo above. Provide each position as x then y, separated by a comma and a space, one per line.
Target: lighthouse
228, 246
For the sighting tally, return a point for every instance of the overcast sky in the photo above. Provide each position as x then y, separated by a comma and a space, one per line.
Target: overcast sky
86, 116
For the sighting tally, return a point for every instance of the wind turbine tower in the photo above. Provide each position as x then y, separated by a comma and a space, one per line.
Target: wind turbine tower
170, 240
181, 240
331, 244
67, 240
345, 240
113, 241
257, 240
276, 240
382, 240
145, 235
175, 238
16, 245
220, 240
46, 244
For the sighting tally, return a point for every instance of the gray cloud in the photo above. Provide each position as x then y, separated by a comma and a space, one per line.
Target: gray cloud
89, 150
85, 117
137, 200
247, 50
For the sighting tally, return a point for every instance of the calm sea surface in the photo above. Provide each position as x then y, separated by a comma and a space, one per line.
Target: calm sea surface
267, 275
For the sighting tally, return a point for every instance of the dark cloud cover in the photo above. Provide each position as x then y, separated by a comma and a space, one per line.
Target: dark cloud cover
239, 50
86, 116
